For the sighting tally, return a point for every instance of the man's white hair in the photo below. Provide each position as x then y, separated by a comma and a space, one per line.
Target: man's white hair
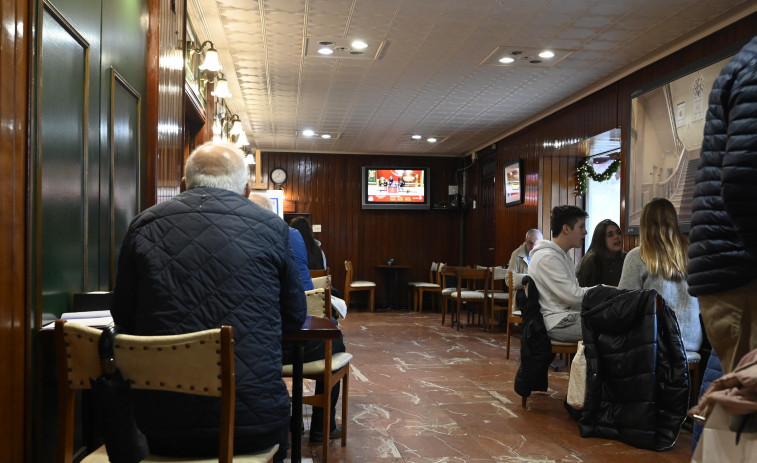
217, 165
534, 232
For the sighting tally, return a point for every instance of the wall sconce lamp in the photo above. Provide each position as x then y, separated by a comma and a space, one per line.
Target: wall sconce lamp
211, 61
236, 125
221, 89
242, 140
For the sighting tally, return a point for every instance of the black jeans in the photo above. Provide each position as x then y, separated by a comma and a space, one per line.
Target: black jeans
314, 350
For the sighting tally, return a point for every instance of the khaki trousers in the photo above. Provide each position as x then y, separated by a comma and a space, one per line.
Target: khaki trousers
730, 320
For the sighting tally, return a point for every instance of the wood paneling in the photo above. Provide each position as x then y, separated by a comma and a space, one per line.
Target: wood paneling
597, 113
15, 334
165, 100
328, 188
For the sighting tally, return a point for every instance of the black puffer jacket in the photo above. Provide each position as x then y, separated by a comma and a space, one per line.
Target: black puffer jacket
207, 258
535, 349
637, 386
723, 236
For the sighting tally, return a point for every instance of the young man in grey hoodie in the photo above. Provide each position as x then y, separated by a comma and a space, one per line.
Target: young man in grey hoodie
554, 272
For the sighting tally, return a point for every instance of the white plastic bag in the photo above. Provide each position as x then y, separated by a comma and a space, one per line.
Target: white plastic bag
577, 381
718, 443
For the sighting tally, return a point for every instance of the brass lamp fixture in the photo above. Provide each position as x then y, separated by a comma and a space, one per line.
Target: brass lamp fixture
210, 62
221, 89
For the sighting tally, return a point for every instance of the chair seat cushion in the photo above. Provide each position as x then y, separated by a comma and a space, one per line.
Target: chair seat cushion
427, 285
101, 456
362, 284
517, 313
693, 357
338, 361
563, 344
470, 295
499, 296
448, 291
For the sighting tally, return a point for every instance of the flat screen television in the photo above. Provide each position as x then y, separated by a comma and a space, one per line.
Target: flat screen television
387, 187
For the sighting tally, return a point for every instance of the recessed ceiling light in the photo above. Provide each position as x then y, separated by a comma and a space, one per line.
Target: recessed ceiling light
506, 60
325, 135
416, 137
325, 51
359, 45
308, 133
431, 140
546, 54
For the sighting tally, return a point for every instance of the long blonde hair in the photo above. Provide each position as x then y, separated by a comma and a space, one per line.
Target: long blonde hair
664, 249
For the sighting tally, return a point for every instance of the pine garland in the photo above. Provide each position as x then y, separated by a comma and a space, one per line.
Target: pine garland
586, 170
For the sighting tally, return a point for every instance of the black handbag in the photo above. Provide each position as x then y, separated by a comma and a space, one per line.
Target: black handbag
111, 393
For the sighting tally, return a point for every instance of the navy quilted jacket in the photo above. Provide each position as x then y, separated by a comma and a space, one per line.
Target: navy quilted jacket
723, 236
206, 258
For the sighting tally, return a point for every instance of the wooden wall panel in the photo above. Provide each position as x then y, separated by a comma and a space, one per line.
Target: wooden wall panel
328, 188
15, 333
165, 101
601, 111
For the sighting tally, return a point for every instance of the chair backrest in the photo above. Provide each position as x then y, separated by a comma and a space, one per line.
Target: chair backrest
433, 271
322, 282
319, 301
445, 272
347, 274
473, 278
437, 274
200, 363
319, 273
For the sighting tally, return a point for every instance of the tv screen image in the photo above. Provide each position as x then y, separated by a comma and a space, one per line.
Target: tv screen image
395, 188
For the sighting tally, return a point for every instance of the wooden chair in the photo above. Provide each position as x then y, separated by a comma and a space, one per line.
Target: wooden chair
330, 370
319, 273
433, 286
351, 286
469, 281
499, 295
445, 274
514, 316
204, 365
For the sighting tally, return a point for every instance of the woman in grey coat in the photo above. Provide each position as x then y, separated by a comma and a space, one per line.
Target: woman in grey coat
660, 264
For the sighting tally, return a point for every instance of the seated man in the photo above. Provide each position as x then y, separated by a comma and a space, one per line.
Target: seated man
206, 258
554, 273
520, 258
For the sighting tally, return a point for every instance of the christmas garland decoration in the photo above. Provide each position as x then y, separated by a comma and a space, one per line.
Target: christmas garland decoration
586, 170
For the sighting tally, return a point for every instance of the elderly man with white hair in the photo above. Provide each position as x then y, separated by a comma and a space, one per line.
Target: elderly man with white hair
205, 258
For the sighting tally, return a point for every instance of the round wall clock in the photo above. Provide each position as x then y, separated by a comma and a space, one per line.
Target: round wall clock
278, 176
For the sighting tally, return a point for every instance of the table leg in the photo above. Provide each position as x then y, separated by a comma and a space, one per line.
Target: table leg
296, 453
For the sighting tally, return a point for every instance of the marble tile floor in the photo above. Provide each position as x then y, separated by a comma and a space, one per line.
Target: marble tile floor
421, 392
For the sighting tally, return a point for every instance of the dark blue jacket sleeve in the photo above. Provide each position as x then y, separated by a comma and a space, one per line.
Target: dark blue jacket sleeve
300, 255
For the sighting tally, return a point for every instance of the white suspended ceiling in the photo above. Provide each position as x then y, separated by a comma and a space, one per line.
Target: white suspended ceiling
432, 66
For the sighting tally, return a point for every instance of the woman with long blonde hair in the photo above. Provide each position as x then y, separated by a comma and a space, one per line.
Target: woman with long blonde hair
660, 263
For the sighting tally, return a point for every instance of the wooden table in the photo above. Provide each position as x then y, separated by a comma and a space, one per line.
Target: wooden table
392, 281
314, 329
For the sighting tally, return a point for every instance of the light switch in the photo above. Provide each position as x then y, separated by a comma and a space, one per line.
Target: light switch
452, 189
316, 228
